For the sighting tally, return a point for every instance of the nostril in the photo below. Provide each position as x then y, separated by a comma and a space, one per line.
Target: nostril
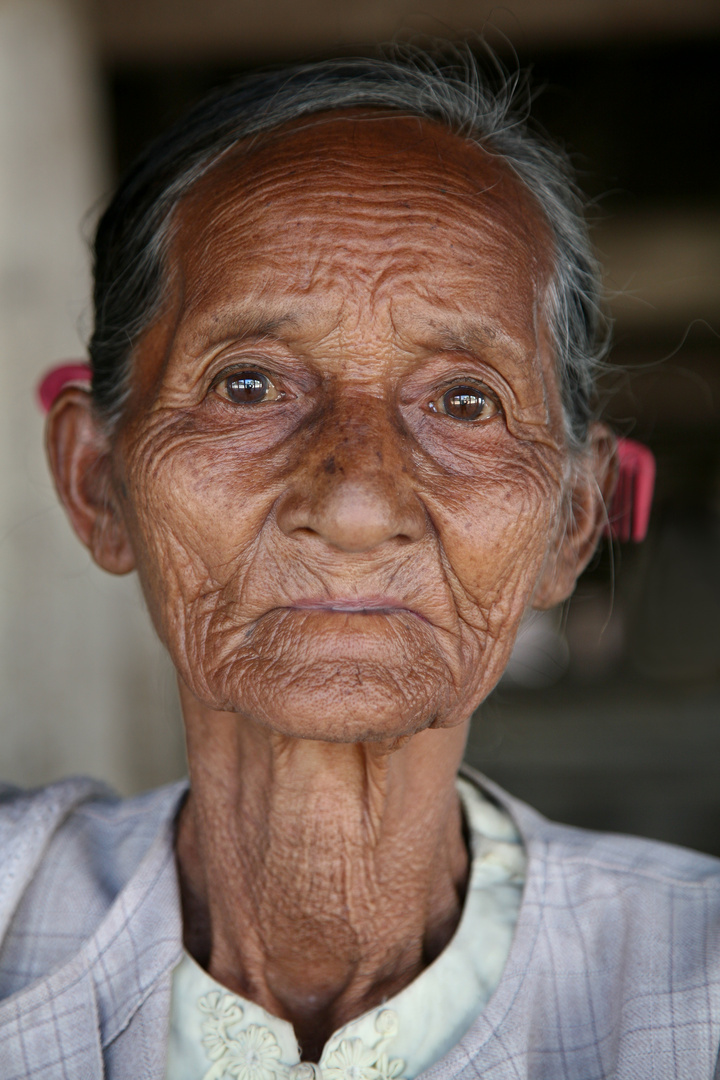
302, 532
351, 513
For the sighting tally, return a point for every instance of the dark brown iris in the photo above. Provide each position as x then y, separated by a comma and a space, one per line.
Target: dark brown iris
465, 403
247, 387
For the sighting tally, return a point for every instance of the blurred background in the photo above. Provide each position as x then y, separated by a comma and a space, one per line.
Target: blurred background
609, 715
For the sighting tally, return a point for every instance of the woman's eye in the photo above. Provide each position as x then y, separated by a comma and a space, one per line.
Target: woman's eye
247, 388
466, 403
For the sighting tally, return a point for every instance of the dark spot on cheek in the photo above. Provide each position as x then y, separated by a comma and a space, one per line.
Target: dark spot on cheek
329, 465
379, 456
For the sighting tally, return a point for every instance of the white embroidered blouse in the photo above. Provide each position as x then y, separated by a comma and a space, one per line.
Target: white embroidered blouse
215, 1034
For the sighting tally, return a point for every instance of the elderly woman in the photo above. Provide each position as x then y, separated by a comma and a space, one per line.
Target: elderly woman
341, 425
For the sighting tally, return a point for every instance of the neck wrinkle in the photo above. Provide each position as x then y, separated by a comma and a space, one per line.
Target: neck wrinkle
318, 879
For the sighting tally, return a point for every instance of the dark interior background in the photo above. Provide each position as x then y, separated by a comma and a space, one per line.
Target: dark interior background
610, 717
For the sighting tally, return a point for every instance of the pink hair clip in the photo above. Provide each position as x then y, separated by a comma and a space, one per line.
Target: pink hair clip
629, 511
69, 373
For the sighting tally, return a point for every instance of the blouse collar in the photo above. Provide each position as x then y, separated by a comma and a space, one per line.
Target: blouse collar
215, 1033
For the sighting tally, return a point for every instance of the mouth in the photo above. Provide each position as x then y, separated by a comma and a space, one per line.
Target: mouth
375, 605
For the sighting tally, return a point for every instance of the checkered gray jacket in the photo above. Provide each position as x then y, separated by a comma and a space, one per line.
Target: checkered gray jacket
613, 974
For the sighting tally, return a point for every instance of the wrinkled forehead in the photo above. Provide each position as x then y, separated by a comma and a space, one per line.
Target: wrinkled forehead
339, 206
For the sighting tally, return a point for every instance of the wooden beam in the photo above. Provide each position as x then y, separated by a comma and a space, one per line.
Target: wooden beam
252, 31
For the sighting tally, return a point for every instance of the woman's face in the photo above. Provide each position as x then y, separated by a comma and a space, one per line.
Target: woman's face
342, 470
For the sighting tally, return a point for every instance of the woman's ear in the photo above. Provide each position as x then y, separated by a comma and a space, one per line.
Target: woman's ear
79, 455
583, 518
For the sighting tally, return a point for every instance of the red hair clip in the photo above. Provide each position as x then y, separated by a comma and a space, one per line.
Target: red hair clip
70, 373
629, 511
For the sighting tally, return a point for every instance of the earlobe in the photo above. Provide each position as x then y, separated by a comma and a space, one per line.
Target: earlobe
583, 518
80, 461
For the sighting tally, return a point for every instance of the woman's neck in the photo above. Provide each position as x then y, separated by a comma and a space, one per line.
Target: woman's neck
318, 879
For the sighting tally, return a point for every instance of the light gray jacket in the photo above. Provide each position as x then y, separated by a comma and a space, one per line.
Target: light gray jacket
614, 970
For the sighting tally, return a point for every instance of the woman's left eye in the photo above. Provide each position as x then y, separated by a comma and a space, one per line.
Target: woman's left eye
247, 388
468, 403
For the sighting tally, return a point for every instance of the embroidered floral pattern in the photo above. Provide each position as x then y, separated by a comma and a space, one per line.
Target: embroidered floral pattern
256, 1055
253, 1053
354, 1060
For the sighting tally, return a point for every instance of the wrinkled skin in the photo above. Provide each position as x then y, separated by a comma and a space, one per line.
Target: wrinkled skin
339, 570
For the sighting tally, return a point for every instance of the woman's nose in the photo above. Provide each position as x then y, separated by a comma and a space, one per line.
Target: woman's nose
354, 492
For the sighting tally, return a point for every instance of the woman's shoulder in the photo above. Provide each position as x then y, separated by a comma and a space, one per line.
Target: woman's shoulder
66, 853
76, 821
615, 957
604, 856
614, 855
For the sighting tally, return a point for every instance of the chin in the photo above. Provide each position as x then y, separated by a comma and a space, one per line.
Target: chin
340, 702
336, 679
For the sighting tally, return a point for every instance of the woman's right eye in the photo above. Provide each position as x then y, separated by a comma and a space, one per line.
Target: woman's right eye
247, 388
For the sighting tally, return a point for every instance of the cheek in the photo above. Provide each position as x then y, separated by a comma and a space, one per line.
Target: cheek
496, 527
197, 510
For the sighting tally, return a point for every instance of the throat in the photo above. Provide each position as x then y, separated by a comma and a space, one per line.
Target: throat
323, 880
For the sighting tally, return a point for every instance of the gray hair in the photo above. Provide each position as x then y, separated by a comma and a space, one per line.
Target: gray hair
133, 233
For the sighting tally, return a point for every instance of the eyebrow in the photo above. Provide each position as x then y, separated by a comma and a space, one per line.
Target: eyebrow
474, 337
465, 333
466, 337
241, 326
